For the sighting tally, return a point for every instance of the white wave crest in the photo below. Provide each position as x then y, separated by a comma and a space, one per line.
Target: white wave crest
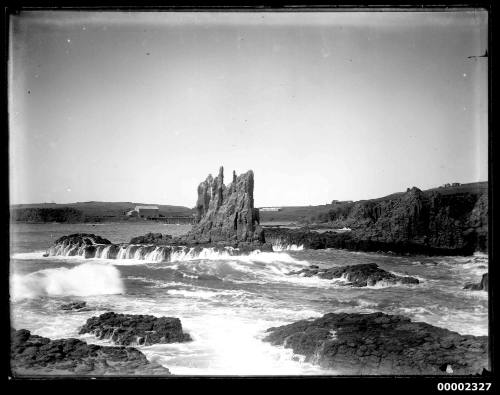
28, 255
83, 280
287, 247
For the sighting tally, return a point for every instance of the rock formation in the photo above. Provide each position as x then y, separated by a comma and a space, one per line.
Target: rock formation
380, 343
414, 222
82, 244
226, 214
80, 306
152, 238
357, 275
482, 286
127, 329
35, 355
150, 247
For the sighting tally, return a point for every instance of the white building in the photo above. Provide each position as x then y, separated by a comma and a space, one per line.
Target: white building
145, 212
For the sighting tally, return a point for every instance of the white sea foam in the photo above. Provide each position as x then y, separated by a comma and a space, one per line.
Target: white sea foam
183, 254
287, 247
399, 274
207, 294
83, 280
30, 255
228, 344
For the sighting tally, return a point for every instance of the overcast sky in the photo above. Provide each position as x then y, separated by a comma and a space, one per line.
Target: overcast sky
141, 107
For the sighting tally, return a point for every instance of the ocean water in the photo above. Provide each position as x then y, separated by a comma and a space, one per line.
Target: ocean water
227, 302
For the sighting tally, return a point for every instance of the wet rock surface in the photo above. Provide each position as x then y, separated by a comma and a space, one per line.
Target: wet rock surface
130, 329
36, 355
152, 238
78, 305
80, 239
357, 275
481, 286
378, 343
84, 244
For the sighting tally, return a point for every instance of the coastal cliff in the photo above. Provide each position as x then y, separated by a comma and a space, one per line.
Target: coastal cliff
456, 221
411, 222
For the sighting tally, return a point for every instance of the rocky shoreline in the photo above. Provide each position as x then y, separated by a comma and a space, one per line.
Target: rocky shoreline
413, 222
356, 275
33, 355
128, 329
356, 241
349, 343
378, 343
36, 355
228, 223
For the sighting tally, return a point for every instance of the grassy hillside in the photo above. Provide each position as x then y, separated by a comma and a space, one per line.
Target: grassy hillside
309, 214
103, 211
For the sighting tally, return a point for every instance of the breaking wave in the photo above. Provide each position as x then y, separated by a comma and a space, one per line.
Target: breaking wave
139, 254
287, 247
83, 280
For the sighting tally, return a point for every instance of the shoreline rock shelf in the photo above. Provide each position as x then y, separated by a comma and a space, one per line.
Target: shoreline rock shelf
143, 250
358, 241
415, 222
357, 275
378, 343
33, 355
130, 329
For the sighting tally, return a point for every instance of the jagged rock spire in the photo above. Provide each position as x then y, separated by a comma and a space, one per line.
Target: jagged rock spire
227, 213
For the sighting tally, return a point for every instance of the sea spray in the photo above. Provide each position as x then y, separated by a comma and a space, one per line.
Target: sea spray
83, 280
287, 247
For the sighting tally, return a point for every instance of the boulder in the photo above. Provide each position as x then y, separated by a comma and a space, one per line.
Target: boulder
361, 275
378, 343
481, 286
127, 329
36, 355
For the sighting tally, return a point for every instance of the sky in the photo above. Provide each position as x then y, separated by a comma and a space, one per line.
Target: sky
141, 106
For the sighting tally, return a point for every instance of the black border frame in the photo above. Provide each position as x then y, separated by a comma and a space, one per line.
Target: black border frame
349, 383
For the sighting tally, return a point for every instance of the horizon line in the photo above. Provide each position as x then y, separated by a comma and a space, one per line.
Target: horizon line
263, 206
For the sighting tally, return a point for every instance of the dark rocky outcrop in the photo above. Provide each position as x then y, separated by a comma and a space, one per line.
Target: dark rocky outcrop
80, 239
152, 238
357, 275
127, 329
226, 218
84, 244
80, 305
378, 343
226, 214
166, 250
354, 241
416, 222
35, 355
481, 286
